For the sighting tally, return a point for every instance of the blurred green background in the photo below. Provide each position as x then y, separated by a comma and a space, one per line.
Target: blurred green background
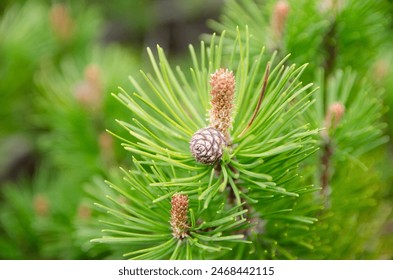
59, 63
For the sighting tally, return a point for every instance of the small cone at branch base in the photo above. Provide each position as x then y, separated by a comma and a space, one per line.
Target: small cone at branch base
207, 145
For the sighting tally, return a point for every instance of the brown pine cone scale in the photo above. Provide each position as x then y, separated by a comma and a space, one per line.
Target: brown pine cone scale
207, 145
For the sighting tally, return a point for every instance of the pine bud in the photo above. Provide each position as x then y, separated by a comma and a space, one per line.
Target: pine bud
41, 205
179, 216
279, 18
335, 113
61, 22
222, 84
381, 70
84, 212
105, 142
206, 145
89, 92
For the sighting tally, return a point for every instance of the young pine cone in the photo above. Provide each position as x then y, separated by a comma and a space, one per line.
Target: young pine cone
206, 145
179, 216
222, 93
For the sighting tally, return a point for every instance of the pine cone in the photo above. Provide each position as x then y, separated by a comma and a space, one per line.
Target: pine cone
206, 145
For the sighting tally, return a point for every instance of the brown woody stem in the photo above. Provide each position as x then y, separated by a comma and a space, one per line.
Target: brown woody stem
325, 166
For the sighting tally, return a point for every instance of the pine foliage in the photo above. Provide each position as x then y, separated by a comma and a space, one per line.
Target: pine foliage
258, 171
256, 179
66, 87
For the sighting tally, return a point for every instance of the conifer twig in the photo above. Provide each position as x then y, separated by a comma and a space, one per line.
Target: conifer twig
329, 44
325, 165
333, 116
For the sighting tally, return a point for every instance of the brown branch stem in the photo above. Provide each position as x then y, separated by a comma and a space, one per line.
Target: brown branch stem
329, 44
326, 168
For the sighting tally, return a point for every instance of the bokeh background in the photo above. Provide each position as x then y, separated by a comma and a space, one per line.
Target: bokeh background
59, 63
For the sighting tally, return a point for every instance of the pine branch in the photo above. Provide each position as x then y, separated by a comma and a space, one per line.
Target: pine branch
254, 168
329, 44
325, 166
